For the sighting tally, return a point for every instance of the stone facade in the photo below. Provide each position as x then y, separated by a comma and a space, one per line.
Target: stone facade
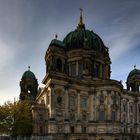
79, 100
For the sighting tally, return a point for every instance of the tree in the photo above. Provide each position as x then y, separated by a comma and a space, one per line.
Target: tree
6, 118
16, 118
23, 123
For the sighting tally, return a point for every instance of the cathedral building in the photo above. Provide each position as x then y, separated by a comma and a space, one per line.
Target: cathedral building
79, 100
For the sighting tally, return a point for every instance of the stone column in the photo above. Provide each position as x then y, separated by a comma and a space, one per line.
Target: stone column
51, 101
91, 106
118, 109
94, 110
96, 101
127, 111
101, 70
106, 67
109, 102
76, 68
105, 104
78, 106
120, 105
136, 111
66, 103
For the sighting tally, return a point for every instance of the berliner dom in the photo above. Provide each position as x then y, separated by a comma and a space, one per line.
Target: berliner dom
79, 100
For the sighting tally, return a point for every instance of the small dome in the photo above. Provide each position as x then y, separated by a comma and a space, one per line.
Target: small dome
134, 72
57, 43
133, 80
28, 74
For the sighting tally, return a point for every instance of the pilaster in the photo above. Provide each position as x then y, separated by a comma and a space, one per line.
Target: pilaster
101, 71
51, 101
96, 103
76, 67
91, 105
66, 102
78, 106
109, 105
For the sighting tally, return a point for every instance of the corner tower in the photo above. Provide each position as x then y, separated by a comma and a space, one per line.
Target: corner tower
28, 86
55, 57
133, 80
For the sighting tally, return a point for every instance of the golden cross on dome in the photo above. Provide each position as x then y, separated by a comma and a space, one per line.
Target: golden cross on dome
81, 16
81, 11
81, 24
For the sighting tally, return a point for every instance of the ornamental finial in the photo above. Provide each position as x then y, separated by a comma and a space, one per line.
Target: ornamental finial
81, 16
56, 36
28, 68
134, 66
81, 24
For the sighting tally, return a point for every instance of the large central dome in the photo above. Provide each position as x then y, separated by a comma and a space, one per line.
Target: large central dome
84, 38
81, 54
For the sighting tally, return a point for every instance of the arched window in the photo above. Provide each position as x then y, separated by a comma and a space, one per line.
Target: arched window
71, 101
84, 102
80, 68
73, 69
29, 89
131, 119
131, 108
83, 129
124, 118
101, 116
72, 129
124, 107
97, 70
72, 116
113, 116
131, 130
59, 65
41, 129
84, 117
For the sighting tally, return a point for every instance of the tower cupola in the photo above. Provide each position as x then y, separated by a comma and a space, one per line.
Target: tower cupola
133, 80
28, 86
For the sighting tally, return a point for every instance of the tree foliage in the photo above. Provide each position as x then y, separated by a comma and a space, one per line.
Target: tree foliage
6, 118
16, 118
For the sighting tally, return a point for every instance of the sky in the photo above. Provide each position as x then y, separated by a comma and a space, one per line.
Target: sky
28, 26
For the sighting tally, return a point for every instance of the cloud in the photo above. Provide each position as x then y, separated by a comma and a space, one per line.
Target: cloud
124, 34
6, 55
121, 45
27, 27
8, 94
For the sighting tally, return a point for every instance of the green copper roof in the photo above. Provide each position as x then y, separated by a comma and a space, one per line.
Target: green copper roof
57, 43
28, 74
82, 37
134, 72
